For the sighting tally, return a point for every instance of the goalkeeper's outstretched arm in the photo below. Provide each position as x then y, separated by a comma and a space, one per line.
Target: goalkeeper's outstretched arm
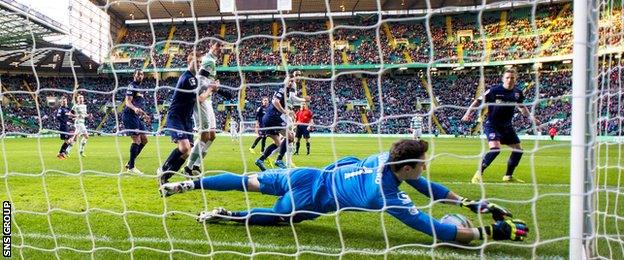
438, 191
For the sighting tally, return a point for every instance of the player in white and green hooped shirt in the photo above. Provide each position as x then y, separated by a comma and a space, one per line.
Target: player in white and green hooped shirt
80, 114
203, 113
416, 127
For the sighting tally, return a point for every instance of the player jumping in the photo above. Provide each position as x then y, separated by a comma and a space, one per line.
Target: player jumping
63, 115
260, 111
180, 119
305, 122
502, 102
133, 116
203, 112
369, 184
276, 119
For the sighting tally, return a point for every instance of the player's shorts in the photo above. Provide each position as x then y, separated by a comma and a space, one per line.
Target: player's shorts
204, 116
303, 182
302, 131
132, 122
275, 123
65, 134
80, 129
180, 129
504, 134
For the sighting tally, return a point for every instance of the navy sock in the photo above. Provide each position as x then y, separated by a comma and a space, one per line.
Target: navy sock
257, 218
263, 142
63, 147
134, 152
173, 156
514, 160
308, 147
222, 182
489, 158
141, 146
282, 151
268, 151
297, 146
256, 142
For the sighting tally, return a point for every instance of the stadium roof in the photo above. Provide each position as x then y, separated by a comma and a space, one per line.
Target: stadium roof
21, 28
166, 9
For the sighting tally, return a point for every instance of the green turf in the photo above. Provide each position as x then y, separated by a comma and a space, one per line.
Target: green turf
95, 212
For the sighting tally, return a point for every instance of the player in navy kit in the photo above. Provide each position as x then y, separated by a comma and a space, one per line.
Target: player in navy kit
180, 118
369, 184
260, 111
275, 122
502, 101
63, 115
133, 116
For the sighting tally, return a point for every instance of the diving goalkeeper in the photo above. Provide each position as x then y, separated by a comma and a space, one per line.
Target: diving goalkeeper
350, 183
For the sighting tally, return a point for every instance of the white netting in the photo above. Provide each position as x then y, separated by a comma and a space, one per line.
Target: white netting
369, 74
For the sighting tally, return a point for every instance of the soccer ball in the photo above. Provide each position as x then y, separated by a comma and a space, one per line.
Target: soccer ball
458, 220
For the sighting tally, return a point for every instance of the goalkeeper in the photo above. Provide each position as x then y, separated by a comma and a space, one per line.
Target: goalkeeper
371, 184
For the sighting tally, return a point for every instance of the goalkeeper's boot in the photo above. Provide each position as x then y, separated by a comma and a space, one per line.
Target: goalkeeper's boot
260, 164
252, 151
169, 189
214, 216
510, 178
280, 164
476, 178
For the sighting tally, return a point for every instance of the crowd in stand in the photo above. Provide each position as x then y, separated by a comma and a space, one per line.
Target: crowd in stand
308, 42
338, 105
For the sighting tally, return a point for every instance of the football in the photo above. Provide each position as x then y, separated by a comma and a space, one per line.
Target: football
457, 220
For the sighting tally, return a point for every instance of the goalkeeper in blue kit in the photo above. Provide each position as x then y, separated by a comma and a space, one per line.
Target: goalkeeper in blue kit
350, 183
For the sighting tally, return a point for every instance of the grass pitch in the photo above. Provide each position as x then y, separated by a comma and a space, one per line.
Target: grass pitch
84, 207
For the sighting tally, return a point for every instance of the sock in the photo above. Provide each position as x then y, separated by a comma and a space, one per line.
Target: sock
267, 152
257, 218
196, 153
514, 160
222, 182
204, 151
298, 144
69, 147
83, 143
489, 157
141, 146
63, 147
263, 143
256, 142
134, 152
282, 150
308, 147
175, 154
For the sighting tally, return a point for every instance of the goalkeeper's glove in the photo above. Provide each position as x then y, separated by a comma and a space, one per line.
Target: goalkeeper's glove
483, 206
510, 229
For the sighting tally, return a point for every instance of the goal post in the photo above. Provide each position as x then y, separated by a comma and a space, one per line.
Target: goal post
579, 146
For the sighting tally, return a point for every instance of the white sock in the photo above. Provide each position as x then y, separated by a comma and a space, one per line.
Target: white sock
196, 153
204, 151
69, 147
83, 142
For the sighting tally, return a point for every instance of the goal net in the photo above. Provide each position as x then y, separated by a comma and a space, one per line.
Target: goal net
370, 68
